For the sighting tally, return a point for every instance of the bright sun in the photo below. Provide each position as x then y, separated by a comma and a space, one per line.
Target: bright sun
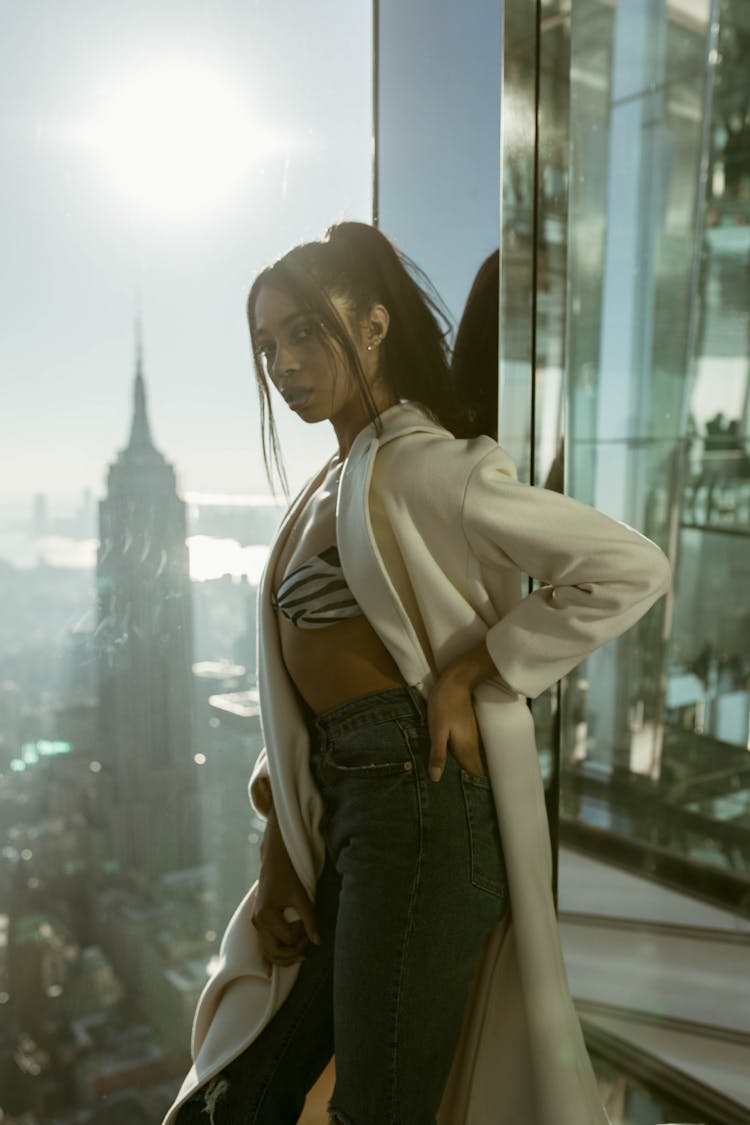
175, 138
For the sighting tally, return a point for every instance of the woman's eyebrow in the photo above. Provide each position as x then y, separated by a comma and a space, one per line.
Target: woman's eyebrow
260, 331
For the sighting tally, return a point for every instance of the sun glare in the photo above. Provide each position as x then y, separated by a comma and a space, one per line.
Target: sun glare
213, 558
178, 139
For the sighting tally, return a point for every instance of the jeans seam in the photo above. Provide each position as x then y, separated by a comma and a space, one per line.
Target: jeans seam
491, 886
416, 882
258, 1105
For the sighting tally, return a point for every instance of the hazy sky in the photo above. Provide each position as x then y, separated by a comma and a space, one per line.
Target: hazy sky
168, 149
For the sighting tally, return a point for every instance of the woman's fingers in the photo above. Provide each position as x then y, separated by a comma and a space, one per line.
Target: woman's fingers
277, 952
282, 942
277, 942
450, 712
270, 920
470, 758
307, 920
451, 720
466, 745
284, 915
439, 734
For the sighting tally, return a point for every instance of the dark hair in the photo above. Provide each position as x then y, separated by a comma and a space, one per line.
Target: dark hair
475, 353
356, 262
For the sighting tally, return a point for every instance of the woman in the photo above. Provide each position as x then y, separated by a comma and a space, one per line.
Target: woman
403, 915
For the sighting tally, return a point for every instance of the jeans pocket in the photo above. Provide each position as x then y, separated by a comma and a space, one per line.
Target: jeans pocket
378, 751
365, 770
487, 864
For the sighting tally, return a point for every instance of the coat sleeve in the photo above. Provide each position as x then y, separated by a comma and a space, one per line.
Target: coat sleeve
599, 576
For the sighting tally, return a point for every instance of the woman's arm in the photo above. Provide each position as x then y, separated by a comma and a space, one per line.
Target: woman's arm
599, 576
279, 888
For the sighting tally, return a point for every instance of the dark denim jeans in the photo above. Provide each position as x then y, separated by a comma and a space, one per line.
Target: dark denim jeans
414, 880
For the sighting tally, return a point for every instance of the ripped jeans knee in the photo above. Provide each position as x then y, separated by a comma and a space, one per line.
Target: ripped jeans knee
216, 1089
337, 1117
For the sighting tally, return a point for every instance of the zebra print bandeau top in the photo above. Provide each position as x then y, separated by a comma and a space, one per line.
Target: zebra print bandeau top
315, 594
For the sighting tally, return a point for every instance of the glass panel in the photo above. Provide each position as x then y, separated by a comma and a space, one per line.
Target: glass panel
656, 727
438, 158
519, 233
551, 244
655, 855
534, 243
534, 250
156, 157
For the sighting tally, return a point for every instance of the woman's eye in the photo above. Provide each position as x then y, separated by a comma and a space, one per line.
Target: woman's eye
302, 331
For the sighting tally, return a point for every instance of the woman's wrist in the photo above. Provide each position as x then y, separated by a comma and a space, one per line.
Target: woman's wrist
471, 668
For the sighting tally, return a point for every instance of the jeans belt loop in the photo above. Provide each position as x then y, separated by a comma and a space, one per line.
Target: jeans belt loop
418, 700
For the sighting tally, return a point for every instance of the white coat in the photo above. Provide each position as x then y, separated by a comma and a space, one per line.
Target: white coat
434, 534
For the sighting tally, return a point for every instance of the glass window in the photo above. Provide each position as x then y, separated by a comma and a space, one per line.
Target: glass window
154, 162
655, 880
656, 728
438, 180
617, 118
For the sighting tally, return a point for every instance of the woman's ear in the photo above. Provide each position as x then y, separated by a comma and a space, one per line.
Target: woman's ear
378, 319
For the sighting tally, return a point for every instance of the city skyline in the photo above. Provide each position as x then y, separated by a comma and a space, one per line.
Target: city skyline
229, 532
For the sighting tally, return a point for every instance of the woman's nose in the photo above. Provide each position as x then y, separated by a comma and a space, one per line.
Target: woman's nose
284, 363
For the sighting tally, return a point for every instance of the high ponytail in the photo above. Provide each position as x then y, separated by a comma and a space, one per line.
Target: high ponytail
357, 263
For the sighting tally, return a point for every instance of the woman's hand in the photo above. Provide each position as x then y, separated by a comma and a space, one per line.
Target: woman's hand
450, 714
279, 886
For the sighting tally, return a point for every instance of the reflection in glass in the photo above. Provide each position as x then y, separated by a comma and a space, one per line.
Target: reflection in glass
657, 727
533, 217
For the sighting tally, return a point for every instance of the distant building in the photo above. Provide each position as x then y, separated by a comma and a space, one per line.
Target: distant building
115, 1058
143, 645
11, 702
232, 830
78, 669
85, 517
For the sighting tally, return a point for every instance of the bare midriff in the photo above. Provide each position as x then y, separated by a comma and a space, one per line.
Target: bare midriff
330, 666
344, 660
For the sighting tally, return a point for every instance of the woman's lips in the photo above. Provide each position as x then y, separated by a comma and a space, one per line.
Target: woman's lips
297, 399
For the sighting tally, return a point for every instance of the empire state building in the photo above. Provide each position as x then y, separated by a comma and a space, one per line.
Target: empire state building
144, 658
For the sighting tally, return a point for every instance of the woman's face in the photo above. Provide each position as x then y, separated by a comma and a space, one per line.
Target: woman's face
313, 379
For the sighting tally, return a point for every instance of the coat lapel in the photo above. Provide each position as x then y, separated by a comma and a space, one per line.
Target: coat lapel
283, 531
364, 569
283, 722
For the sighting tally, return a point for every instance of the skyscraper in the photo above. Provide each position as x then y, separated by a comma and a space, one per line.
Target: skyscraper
144, 657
